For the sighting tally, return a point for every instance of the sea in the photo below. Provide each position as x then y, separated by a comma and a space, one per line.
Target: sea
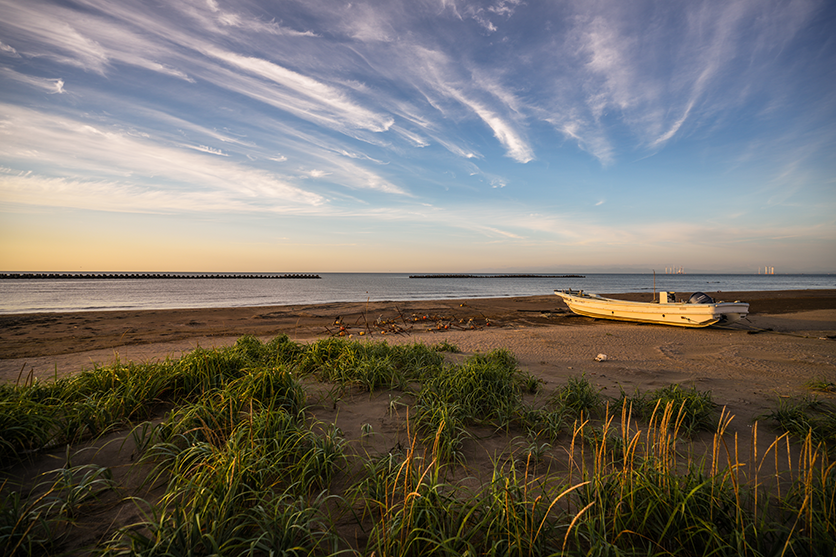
199, 291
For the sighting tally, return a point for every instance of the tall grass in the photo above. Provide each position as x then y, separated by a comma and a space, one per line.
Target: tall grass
578, 397
368, 365
696, 408
244, 471
419, 512
43, 414
638, 500
37, 522
240, 467
485, 390
806, 416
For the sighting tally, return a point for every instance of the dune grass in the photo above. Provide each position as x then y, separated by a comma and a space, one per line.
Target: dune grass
235, 463
485, 390
695, 408
805, 416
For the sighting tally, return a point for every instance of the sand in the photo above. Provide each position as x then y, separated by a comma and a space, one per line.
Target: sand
788, 340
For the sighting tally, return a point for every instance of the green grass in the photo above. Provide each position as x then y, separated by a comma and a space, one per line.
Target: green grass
805, 416
485, 390
445, 346
39, 521
822, 385
694, 410
578, 397
238, 465
544, 422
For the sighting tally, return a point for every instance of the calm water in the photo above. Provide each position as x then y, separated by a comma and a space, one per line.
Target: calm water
23, 296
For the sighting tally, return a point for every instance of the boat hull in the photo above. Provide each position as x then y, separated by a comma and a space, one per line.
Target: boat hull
679, 314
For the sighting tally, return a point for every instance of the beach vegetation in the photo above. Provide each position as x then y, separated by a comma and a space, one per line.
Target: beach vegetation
803, 416
695, 410
232, 458
821, 385
445, 346
545, 422
578, 397
485, 390
37, 522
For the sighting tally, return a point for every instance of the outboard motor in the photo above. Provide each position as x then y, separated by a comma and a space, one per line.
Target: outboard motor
700, 298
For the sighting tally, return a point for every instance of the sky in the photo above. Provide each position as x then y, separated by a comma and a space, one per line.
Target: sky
418, 136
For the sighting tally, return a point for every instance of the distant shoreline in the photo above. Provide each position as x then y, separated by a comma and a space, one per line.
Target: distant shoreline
98, 276
492, 276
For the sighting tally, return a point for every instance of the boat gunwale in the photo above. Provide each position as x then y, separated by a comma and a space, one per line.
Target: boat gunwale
593, 298
689, 324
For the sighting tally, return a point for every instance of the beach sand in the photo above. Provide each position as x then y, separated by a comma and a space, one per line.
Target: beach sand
788, 340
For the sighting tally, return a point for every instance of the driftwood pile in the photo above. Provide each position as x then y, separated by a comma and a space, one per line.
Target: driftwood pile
401, 324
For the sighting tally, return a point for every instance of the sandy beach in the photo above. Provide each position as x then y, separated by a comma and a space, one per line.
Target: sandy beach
788, 340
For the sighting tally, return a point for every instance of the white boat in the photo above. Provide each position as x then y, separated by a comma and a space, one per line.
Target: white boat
698, 311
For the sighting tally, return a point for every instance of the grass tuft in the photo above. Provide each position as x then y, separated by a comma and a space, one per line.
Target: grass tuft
695, 407
806, 416
578, 397
822, 385
239, 466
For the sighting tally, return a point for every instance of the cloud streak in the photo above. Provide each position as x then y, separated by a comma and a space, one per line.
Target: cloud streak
319, 94
86, 151
376, 112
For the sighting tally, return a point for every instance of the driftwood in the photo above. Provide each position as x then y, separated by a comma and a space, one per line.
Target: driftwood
399, 324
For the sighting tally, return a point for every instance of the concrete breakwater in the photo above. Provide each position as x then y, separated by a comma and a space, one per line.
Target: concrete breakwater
494, 276
47, 276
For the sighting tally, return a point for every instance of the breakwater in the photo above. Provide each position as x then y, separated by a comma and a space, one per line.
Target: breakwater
40, 296
47, 276
493, 276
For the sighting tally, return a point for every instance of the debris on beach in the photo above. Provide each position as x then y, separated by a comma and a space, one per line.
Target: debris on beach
601, 358
400, 324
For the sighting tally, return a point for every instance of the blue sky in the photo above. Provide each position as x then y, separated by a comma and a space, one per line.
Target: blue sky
433, 136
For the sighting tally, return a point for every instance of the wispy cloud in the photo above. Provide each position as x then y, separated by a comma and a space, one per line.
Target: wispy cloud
500, 232
205, 149
324, 102
485, 15
473, 116
83, 150
588, 138
447, 87
48, 85
516, 146
50, 33
7, 50
658, 90
245, 22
